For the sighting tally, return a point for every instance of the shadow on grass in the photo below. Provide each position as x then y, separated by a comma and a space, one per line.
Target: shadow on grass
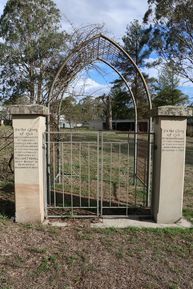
74, 201
8, 188
7, 208
189, 156
7, 201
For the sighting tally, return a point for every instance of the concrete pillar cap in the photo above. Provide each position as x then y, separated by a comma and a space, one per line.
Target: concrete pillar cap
169, 110
33, 109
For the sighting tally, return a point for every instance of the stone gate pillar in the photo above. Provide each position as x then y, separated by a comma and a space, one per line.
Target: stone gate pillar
169, 162
29, 124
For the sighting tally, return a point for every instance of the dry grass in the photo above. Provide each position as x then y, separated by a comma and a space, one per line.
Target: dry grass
78, 257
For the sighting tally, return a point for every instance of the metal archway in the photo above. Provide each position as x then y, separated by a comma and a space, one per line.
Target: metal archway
135, 110
99, 47
104, 49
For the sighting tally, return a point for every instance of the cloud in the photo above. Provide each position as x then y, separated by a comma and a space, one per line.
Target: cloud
87, 87
92, 87
186, 83
115, 14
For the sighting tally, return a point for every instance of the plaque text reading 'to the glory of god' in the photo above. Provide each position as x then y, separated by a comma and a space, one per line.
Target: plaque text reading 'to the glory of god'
173, 140
26, 148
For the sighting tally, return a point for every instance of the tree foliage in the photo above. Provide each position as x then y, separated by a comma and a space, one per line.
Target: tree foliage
172, 32
167, 92
135, 43
30, 47
121, 103
88, 108
91, 108
70, 109
105, 101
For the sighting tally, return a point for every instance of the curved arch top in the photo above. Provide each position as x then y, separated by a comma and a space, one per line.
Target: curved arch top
99, 47
104, 49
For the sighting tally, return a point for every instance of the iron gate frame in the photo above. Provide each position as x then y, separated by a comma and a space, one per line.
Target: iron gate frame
99, 48
100, 207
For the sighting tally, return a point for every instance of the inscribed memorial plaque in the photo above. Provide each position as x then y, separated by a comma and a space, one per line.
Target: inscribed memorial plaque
26, 148
173, 140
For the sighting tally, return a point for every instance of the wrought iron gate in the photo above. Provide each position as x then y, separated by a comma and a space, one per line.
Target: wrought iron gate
98, 173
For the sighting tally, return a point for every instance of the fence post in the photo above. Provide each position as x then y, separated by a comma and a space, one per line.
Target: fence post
29, 124
170, 124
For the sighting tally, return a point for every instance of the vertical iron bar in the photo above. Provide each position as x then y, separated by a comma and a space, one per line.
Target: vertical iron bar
54, 172
153, 171
149, 163
135, 193
127, 178
145, 175
58, 158
88, 175
45, 175
62, 174
135, 152
119, 190
111, 151
71, 173
80, 174
48, 159
135, 180
98, 172
102, 173
145, 178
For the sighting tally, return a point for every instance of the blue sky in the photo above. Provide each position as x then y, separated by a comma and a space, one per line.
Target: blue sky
115, 15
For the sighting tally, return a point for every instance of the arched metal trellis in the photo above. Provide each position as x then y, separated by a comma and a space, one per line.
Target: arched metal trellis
97, 48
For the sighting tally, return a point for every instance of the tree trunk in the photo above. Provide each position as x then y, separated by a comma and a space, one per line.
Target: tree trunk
31, 86
109, 113
39, 96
